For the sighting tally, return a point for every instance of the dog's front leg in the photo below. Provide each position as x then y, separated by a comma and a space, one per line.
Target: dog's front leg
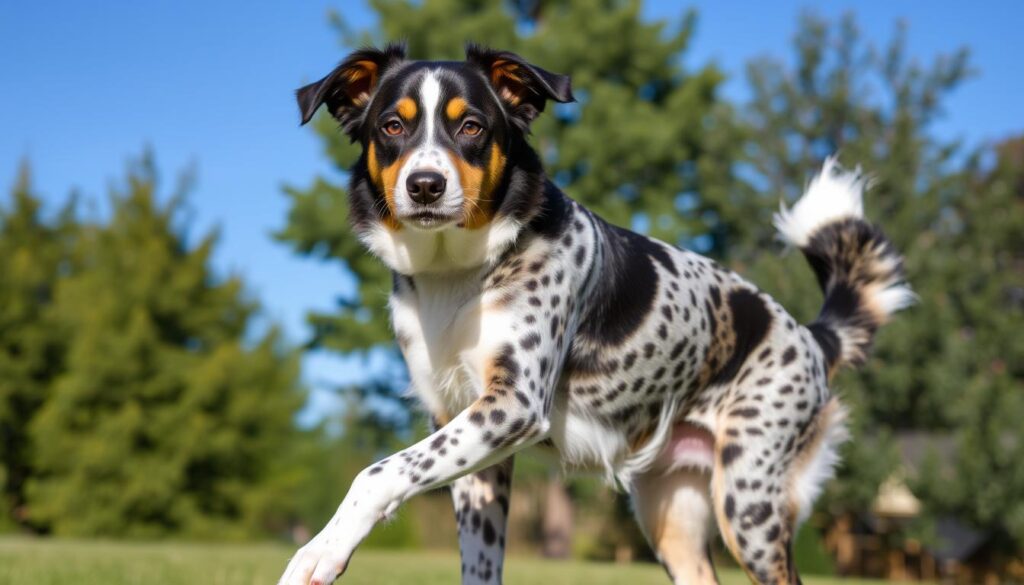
481, 509
505, 418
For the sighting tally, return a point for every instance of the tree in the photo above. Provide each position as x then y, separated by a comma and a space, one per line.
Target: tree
984, 482
32, 253
170, 413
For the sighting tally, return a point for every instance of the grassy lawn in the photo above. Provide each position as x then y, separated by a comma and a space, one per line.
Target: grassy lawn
52, 562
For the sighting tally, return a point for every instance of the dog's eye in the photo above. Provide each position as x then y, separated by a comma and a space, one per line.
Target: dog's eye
393, 128
471, 128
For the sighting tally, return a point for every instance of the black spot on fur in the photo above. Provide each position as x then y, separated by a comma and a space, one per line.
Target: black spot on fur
489, 533
827, 340
716, 296
438, 441
730, 453
788, 356
522, 398
625, 294
758, 513
750, 321
530, 340
750, 412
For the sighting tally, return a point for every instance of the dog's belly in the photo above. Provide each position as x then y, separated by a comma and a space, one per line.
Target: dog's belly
689, 445
588, 443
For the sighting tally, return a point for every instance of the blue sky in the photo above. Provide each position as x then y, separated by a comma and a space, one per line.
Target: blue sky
85, 86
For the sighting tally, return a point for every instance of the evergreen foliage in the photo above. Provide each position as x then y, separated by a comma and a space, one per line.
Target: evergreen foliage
132, 378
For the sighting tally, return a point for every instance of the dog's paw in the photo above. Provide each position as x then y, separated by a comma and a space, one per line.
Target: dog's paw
319, 562
326, 557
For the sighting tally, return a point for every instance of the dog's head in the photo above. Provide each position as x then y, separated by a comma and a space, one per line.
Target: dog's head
442, 140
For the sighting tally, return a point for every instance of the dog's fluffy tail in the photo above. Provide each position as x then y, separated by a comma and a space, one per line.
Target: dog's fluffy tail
857, 266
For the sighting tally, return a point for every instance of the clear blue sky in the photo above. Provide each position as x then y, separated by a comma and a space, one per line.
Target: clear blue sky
84, 86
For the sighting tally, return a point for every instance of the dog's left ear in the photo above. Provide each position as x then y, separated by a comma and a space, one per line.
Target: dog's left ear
348, 88
524, 88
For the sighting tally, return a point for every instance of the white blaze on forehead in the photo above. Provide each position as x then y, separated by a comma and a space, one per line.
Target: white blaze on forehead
430, 95
427, 155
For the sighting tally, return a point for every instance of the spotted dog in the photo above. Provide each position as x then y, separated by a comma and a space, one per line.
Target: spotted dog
524, 318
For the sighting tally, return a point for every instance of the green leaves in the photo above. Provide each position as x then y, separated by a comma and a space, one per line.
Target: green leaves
145, 406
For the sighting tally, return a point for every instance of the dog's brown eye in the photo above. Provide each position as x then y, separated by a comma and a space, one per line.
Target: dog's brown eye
393, 128
471, 128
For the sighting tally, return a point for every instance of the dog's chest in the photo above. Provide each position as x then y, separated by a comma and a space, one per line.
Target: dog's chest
446, 334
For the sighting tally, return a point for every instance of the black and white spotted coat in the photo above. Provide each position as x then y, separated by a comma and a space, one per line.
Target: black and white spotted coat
672, 375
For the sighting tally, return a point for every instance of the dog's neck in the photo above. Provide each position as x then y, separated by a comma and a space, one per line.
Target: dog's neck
410, 251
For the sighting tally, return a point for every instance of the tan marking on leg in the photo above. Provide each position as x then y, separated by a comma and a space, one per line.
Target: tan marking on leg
723, 341
668, 508
724, 523
781, 571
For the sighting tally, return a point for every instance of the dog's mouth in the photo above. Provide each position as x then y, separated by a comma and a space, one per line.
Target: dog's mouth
428, 219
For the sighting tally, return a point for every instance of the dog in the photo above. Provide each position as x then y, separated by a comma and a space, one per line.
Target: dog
524, 318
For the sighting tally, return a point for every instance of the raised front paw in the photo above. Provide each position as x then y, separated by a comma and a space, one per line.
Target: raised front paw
319, 562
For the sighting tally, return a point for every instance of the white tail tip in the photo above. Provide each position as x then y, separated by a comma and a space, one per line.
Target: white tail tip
833, 195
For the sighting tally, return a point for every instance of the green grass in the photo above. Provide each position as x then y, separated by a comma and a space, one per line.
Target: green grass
51, 562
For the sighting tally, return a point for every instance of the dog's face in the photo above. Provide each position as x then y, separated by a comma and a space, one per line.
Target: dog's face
439, 138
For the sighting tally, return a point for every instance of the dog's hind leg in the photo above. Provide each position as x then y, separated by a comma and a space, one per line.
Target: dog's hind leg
675, 512
770, 464
481, 509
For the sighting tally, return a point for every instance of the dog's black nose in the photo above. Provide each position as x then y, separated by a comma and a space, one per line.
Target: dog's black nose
425, 187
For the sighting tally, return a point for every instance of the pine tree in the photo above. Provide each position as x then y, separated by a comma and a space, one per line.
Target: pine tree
32, 251
169, 416
982, 482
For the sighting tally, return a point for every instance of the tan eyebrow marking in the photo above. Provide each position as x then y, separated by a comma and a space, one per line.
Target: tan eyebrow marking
455, 108
406, 108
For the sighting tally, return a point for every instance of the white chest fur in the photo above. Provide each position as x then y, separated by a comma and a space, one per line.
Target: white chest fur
415, 251
447, 335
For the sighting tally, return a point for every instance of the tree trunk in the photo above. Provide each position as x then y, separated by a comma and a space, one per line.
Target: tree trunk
557, 522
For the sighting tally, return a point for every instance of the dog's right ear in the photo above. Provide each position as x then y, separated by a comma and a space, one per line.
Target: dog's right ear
348, 89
